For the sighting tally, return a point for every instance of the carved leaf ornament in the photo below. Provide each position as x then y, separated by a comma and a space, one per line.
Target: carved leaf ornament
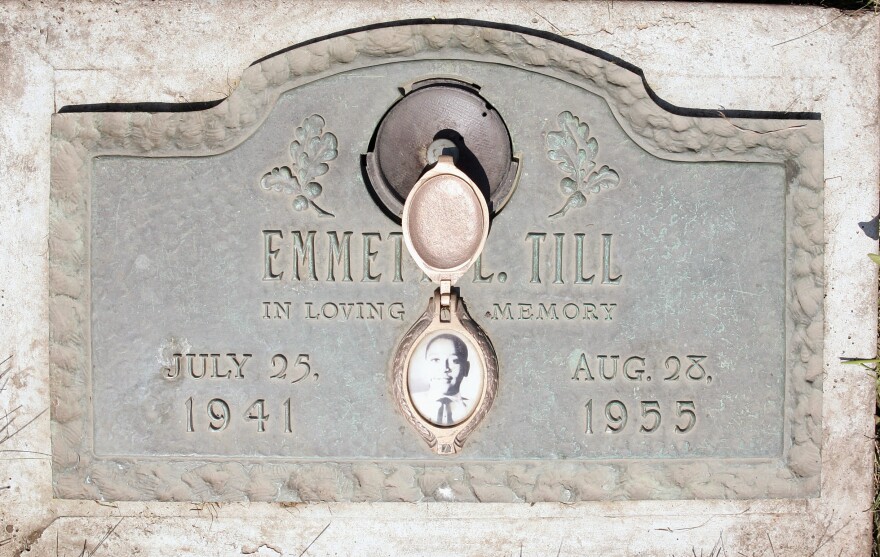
310, 152
575, 153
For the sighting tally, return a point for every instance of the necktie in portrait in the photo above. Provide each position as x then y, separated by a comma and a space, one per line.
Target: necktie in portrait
444, 413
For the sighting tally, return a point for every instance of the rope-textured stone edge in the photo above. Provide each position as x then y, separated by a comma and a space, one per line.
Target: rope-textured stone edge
77, 137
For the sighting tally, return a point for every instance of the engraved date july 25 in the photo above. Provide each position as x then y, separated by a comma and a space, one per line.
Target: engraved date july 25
223, 365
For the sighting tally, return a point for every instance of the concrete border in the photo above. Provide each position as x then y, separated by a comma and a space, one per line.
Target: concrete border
810, 59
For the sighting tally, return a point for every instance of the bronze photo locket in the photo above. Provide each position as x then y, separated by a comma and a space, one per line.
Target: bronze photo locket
445, 372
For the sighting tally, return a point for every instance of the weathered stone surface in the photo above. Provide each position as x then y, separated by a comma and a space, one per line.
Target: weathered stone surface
54, 58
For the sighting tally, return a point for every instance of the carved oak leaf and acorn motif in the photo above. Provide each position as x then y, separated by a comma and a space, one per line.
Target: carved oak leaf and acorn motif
575, 153
310, 152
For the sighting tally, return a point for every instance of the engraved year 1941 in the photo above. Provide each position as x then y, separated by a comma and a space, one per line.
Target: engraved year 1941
218, 415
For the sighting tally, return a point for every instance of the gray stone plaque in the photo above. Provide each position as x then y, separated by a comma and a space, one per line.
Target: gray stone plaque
227, 293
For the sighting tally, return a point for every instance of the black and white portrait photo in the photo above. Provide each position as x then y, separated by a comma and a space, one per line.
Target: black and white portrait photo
445, 378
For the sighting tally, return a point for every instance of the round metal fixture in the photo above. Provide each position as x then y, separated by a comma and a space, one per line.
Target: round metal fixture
441, 116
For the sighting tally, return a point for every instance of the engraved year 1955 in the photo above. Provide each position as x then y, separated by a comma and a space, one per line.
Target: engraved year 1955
616, 416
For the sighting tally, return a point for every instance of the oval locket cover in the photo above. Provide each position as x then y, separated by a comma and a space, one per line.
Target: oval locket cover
445, 222
445, 371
